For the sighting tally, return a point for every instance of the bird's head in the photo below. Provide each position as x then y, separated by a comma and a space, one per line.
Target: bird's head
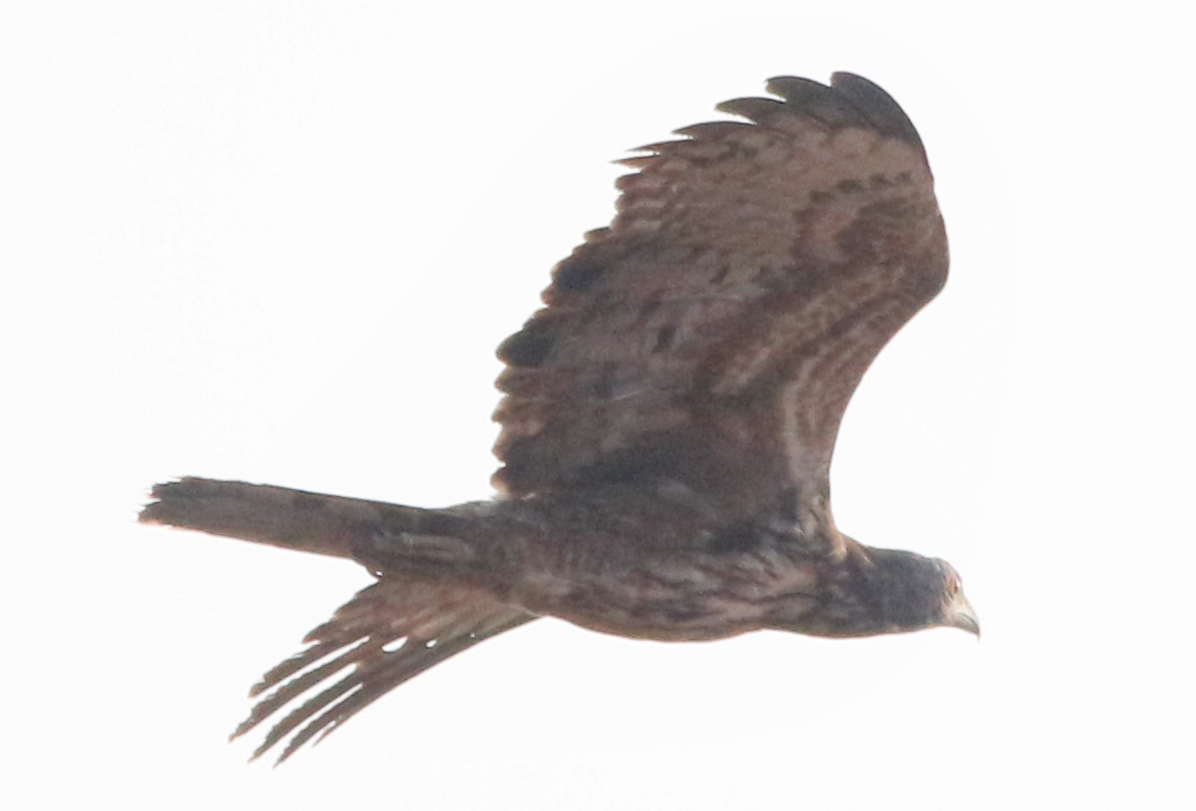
956, 611
887, 591
910, 592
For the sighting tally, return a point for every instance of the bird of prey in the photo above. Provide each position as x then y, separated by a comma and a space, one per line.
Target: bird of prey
668, 421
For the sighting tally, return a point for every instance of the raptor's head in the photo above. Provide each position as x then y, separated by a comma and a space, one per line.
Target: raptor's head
955, 610
886, 591
904, 591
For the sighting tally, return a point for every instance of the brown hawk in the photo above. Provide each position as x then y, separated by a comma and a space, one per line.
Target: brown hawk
668, 421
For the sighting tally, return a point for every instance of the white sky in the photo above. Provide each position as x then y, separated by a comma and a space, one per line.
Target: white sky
279, 242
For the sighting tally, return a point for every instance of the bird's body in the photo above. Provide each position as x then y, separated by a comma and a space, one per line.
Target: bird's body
668, 421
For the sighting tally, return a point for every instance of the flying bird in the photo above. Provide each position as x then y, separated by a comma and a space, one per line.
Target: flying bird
668, 420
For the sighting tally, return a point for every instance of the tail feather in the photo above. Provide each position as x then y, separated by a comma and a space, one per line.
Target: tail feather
388, 633
368, 531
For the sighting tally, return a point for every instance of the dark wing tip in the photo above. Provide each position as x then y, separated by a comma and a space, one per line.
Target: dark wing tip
752, 108
881, 109
817, 101
527, 348
849, 100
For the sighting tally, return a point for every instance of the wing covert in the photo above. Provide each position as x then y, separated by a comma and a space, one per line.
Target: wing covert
716, 330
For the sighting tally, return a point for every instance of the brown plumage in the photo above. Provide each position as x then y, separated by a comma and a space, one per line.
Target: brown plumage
668, 420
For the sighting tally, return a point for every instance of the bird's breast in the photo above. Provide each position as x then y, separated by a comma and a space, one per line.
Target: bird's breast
680, 597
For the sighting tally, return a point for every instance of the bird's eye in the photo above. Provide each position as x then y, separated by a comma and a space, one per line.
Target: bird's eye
953, 587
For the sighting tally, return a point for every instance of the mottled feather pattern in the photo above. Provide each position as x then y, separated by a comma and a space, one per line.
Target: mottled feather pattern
734, 252
668, 422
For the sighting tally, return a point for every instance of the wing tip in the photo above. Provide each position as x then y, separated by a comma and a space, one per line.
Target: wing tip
878, 106
848, 100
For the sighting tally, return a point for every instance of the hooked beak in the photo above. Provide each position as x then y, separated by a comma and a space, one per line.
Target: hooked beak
960, 614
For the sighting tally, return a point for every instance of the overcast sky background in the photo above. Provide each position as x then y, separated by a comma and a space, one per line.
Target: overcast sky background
280, 241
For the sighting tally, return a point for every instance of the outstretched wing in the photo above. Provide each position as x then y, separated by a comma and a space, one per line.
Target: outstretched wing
388, 633
714, 333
